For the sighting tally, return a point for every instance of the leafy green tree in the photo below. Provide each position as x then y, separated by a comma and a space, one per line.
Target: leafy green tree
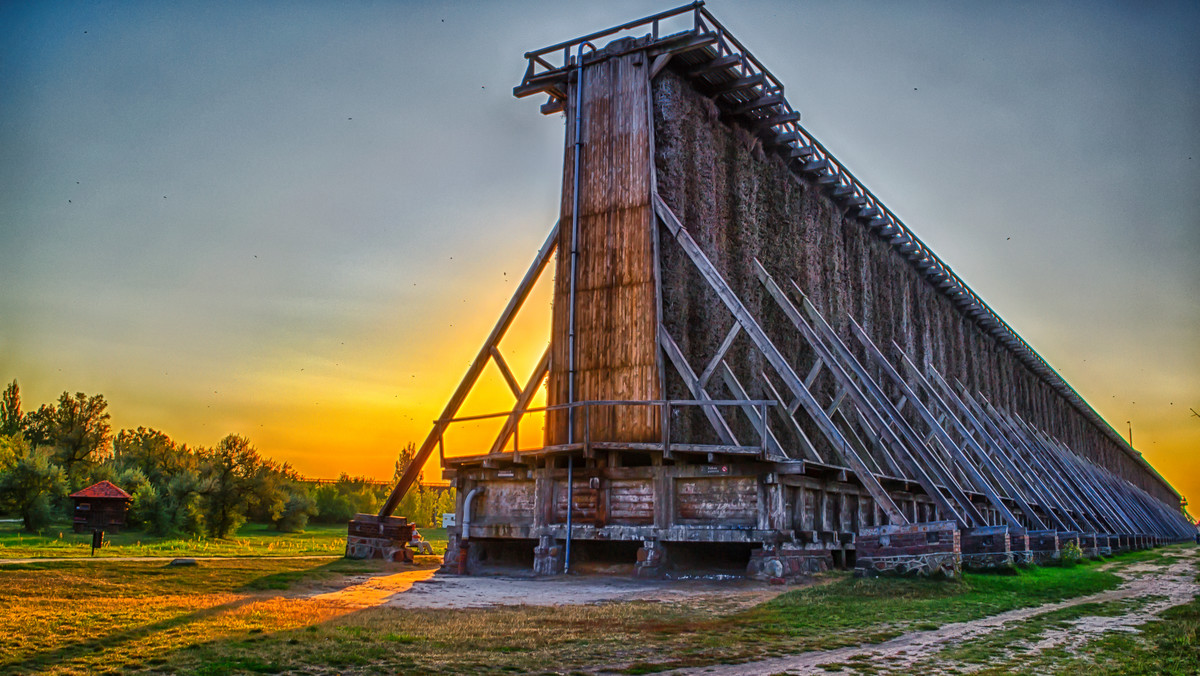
340, 501
227, 487
407, 455
12, 446
296, 510
76, 429
12, 421
152, 452
446, 503
31, 484
424, 506
269, 487
181, 506
144, 507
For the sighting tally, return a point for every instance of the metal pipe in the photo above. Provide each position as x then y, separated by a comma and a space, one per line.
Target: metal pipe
466, 521
578, 113
571, 306
570, 504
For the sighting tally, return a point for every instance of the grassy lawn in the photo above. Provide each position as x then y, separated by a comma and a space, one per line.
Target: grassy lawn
252, 539
247, 616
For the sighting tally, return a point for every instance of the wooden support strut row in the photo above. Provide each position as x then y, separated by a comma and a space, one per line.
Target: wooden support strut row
773, 357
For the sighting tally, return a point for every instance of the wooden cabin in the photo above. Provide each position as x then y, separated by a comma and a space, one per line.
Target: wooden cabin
100, 506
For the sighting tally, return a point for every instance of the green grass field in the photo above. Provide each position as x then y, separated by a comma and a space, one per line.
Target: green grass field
252, 615
252, 539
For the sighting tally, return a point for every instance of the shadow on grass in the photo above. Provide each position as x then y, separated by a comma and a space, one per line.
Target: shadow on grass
285, 579
116, 640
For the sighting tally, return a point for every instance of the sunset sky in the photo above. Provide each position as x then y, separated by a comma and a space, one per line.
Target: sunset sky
298, 221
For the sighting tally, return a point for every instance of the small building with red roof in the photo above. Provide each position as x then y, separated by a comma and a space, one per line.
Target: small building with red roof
100, 506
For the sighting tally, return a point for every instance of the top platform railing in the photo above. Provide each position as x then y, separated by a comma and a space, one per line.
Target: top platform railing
694, 22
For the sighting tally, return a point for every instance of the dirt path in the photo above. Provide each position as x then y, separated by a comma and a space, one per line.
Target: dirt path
426, 589
1165, 587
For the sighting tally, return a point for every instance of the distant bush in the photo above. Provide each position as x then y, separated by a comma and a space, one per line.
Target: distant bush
1070, 555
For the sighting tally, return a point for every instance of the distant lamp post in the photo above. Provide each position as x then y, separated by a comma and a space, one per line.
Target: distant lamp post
1127, 422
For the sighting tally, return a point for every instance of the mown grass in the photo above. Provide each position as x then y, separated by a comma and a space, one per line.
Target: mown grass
252, 539
870, 610
1168, 645
87, 617
92, 617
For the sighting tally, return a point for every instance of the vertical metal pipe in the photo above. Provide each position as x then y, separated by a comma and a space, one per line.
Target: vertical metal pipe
578, 151
571, 306
570, 504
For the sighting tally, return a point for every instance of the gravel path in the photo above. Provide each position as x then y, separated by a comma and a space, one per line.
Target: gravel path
427, 589
1167, 586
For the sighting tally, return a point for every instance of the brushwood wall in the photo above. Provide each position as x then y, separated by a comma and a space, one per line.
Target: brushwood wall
740, 203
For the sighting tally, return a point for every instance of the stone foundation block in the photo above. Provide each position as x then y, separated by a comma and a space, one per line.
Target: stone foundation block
455, 560
1043, 546
1019, 545
782, 564
924, 549
651, 560
548, 557
370, 537
1089, 544
377, 548
987, 548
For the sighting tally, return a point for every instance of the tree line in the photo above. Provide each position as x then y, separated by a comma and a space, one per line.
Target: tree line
177, 489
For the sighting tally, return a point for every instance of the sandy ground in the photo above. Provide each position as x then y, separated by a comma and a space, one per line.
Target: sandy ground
1165, 587
427, 589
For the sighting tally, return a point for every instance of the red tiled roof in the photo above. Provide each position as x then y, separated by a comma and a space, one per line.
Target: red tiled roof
104, 489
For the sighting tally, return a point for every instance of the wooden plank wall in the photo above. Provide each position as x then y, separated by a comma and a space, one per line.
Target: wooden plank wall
739, 203
615, 310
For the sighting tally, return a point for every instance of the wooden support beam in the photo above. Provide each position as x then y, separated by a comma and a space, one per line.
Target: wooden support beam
800, 152
806, 446
717, 65
780, 118
506, 372
888, 425
1006, 454
769, 443
938, 432
472, 375
523, 398
660, 62
784, 139
693, 384
720, 355
756, 104
739, 85
774, 357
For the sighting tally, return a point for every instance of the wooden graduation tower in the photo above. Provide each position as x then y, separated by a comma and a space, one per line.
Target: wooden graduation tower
754, 364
